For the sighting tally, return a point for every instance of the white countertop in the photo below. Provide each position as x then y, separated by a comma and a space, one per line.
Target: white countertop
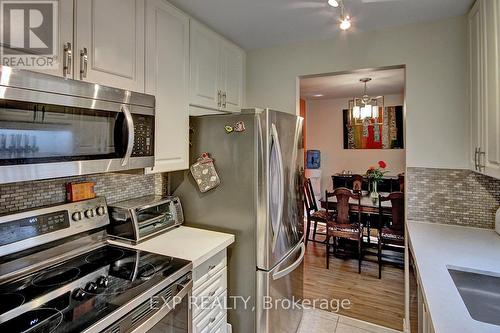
194, 244
436, 246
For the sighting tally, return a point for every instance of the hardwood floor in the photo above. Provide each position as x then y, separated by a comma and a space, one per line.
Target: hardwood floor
378, 301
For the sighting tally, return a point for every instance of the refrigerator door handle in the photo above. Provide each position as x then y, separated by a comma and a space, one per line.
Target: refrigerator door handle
284, 272
281, 203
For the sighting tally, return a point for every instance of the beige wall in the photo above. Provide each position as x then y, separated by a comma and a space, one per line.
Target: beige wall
325, 132
435, 58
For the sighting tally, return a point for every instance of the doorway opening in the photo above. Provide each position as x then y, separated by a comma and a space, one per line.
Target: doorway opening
355, 157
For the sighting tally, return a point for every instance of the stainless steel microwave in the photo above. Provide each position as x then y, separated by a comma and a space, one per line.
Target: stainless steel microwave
54, 127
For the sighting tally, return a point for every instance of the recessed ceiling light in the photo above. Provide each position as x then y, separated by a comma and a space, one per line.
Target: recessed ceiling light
318, 95
333, 3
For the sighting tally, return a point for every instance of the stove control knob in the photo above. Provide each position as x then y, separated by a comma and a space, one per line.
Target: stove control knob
102, 282
101, 210
76, 216
79, 294
89, 213
91, 287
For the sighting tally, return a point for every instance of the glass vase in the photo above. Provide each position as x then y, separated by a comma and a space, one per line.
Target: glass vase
374, 192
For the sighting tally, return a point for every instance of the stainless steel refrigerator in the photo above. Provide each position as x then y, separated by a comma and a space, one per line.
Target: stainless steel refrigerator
259, 201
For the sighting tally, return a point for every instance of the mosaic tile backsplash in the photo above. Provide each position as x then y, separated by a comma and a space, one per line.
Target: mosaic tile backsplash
449, 196
114, 186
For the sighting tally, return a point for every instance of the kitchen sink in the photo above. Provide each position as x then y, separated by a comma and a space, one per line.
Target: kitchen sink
480, 293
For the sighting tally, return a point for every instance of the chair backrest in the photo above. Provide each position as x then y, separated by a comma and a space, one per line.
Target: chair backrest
397, 211
357, 183
309, 199
401, 180
343, 195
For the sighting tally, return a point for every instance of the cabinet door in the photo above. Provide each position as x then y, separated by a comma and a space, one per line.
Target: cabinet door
232, 60
475, 81
204, 86
167, 77
112, 32
491, 133
64, 35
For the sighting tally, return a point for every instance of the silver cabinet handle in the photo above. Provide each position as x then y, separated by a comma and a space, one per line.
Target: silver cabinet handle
83, 63
224, 97
130, 129
219, 99
482, 166
67, 59
476, 153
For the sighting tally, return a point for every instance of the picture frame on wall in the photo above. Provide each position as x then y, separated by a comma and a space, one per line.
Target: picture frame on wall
384, 132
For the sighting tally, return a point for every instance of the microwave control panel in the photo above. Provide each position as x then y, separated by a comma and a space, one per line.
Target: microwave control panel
144, 131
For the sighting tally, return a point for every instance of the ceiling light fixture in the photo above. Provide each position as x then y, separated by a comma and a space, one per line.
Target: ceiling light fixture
345, 20
333, 3
345, 23
366, 107
318, 95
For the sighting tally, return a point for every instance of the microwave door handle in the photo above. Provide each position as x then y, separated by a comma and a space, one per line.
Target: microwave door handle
130, 130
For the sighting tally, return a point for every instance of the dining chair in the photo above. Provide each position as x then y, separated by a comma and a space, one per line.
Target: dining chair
343, 225
313, 214
392, 233
401, 181
357, 183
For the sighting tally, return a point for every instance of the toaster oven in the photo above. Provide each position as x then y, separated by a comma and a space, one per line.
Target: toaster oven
138, 219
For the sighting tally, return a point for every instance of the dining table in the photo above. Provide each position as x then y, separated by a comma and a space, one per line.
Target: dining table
368, 207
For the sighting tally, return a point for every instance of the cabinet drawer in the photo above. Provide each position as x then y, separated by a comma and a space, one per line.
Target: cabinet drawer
208, 322
204, 309
209, 268
211, 289
221, 326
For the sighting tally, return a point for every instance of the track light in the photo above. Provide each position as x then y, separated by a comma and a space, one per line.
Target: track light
345, 23
333, 3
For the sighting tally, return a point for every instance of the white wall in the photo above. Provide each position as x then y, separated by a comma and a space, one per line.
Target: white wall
435, 58
325, 132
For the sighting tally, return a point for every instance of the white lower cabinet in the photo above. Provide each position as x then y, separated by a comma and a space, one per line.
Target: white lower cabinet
210, 295
167, 77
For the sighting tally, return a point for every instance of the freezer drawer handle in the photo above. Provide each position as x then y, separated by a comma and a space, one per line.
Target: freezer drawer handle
279, 274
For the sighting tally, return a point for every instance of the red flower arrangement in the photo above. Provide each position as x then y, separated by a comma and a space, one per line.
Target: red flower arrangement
376, 173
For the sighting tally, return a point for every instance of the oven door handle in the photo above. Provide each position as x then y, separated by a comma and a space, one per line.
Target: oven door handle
150, 322
130, 132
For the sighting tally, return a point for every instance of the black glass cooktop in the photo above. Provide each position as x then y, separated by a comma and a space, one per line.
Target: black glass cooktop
75, 294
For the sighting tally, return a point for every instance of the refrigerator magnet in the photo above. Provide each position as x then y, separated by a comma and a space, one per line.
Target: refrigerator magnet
239, 126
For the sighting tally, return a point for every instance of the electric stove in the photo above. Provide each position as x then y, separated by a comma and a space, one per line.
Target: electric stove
89, 291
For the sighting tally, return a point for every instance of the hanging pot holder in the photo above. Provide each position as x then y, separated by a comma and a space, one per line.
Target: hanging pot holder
204, 173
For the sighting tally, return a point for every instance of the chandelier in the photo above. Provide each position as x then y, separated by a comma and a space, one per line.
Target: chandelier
366, 107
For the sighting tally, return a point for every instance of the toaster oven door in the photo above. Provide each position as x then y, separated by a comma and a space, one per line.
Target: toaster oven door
155, 218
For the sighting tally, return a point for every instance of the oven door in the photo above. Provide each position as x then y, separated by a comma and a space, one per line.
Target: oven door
174, 317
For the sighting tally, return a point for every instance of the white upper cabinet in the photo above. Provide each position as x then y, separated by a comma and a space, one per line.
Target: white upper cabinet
231, 76
217, 71
491, 156
475, 83
484, 89
167, 77
64, 43
205, 66
109, 43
